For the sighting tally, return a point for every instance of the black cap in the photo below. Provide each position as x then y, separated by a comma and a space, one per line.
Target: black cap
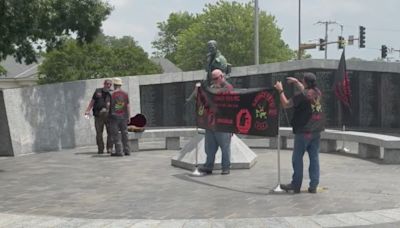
308, 76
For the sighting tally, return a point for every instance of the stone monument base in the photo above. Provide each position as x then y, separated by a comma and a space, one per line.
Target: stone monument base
242, 157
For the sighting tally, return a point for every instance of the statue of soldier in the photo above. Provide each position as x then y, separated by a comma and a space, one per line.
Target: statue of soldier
215, 60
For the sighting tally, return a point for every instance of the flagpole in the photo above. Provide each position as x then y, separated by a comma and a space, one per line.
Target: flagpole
340, 107
343, 149
278, 188
196, 172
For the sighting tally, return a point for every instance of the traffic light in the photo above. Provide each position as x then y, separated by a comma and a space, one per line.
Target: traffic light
341, 42
361, 43
384, 51
322, 44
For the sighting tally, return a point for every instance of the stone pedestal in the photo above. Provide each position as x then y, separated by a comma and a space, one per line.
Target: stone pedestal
327, 146
368, 151
242, 157
391, 156
273, 143
133, 145
172, 143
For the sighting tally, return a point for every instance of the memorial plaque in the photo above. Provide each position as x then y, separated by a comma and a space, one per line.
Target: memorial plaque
239, 82
368, 100
151, 104
190, 105
173, 104
390, 100
329, 102
261, 80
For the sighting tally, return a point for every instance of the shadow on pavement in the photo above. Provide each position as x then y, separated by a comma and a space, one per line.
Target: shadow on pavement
85, 153
196, 180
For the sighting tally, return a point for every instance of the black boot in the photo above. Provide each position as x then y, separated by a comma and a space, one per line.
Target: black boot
290, 187
312, 190
205, 170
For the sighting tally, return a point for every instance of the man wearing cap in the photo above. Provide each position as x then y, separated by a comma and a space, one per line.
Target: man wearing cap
100, 104
119, 118
307, 123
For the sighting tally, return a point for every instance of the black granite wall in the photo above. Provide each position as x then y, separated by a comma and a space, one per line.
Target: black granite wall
374, 99
5, 139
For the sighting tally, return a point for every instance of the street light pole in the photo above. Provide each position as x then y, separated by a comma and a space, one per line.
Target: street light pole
299, 50
256, 35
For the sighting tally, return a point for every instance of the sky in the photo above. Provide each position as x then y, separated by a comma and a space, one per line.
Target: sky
139, 18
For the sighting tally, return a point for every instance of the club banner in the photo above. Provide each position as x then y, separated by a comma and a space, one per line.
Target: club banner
241, 111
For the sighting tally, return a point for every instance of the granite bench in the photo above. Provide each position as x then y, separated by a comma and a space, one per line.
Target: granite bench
369, 144
171, 135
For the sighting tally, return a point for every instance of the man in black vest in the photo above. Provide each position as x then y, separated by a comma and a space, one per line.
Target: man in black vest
100, 104
307, 123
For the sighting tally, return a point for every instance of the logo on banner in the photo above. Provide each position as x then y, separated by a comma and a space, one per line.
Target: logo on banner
200, 111
243, 121
264, 106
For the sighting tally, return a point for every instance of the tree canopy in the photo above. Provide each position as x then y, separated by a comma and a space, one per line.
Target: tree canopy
105, 57
28, 26
166, 44
231, 25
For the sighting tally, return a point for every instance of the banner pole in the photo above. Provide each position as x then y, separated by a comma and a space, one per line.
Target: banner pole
343, 149
196, 171
278, 188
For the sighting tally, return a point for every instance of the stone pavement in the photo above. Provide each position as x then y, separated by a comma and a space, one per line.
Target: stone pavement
78, 188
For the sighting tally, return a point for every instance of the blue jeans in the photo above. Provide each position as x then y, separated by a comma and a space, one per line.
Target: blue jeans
212, 141
303, 142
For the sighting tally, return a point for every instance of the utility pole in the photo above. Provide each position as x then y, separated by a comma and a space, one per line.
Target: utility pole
300, 50
326, 23
256, 35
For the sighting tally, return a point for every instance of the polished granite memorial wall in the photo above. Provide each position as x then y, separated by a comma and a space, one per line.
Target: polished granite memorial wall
374, 98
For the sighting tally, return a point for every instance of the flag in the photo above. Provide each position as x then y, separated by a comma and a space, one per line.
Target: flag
342, 89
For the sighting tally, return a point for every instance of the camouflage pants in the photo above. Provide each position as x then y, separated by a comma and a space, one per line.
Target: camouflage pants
100, 122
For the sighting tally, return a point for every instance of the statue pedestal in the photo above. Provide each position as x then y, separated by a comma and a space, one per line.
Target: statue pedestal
242, 157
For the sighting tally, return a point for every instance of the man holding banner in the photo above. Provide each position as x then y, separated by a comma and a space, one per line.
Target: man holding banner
215, 139
307, 123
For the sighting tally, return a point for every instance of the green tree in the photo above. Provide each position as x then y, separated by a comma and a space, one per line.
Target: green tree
105, 57
28, 26
166, 44
231, 25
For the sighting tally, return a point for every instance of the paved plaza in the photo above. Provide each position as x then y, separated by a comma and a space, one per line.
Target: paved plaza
79, 188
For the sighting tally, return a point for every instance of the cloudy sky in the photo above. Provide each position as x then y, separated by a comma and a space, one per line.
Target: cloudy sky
138, 18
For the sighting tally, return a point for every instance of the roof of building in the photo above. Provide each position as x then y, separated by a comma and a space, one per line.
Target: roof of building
20, 70
166, 65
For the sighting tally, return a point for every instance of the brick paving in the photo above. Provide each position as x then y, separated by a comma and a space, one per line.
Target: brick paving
78, 188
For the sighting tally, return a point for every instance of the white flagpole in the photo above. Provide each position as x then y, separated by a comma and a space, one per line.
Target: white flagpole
343, 149
196, 171
278, 186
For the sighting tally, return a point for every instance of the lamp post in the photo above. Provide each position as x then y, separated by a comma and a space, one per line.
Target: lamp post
256, 35
299, 50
